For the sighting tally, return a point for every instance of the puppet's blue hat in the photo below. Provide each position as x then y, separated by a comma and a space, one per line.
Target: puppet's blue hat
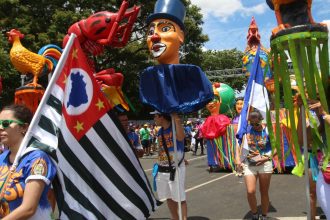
173, 10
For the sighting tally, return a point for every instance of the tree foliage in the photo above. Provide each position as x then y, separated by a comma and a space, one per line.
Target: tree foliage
225, 59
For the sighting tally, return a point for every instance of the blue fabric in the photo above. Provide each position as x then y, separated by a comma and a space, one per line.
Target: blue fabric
170, 9
181, 88
314, 166
154, 175
258, 78
289, 161
187, 130
34, 165
212, 156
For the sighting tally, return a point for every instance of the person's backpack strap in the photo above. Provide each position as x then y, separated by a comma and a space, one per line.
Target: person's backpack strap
166, 150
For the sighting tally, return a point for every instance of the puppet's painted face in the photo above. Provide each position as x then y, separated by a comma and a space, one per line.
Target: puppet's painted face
164, 40
214, 106
239, 106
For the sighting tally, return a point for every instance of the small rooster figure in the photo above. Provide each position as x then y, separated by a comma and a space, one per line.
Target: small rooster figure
25, 61
290, 13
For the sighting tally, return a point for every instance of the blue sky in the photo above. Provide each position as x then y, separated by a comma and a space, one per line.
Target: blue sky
226, 22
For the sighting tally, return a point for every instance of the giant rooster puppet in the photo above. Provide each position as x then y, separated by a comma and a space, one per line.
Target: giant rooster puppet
253, 42
37, 64
299, 38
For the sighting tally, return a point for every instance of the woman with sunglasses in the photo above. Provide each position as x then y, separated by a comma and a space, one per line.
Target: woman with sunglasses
257, 165
24, 191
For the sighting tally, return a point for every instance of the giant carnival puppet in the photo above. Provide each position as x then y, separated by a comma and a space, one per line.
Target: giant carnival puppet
300, 39
214, 130
170, 87
253, 42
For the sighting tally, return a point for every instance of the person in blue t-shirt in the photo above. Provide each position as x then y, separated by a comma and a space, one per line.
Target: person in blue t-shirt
135, 140
188, 135
132, 135
23, 192
257, 164
167, 186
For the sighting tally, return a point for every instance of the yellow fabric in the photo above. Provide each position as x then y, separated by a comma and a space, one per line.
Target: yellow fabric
286, 121
115, 96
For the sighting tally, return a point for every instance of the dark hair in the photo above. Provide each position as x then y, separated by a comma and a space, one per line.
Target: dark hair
118, 113
255, 114
239, 99
21, 112
166, 116
236, 100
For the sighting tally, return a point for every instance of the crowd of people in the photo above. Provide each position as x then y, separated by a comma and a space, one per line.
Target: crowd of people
147, 136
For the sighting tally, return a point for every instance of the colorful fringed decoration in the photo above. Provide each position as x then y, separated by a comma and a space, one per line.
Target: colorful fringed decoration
221, 150
302, 44
29, 96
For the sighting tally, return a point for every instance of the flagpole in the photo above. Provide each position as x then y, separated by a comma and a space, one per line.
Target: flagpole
244, 142
45, 97
176, 166
305, 142
303, 124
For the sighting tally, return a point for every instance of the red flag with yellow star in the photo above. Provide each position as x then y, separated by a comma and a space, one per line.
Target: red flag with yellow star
84, 102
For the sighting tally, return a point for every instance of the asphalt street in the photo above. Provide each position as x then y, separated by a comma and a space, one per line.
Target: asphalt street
222, 195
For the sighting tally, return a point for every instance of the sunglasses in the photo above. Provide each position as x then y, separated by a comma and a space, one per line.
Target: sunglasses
255, 124
5, 123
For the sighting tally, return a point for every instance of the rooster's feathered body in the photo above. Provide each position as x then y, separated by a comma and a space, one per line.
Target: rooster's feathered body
27, 62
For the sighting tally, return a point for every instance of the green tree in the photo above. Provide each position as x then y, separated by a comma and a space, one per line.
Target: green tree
45, 22
225, 59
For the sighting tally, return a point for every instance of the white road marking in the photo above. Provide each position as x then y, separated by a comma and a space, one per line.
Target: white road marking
148, 170
208, 182
203, 184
